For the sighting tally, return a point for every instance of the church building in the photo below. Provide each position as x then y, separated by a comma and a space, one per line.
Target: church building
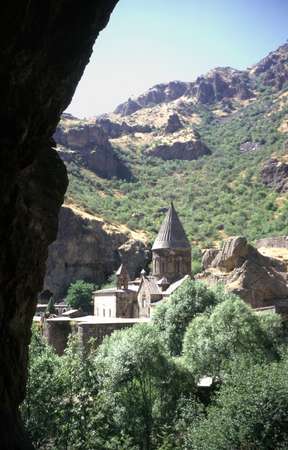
171, 266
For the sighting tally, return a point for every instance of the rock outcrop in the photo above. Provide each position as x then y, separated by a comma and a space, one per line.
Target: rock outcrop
187, 151
221, 83
89, 249
273, 69
259, 280
173, 124
88, 144
44, 50
114, 130
274, 174
160, 93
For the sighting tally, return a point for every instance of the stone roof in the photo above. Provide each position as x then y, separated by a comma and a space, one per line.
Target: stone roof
171, 234
175, 285
151, 285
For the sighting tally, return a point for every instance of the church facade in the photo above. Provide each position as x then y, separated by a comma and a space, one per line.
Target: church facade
171, 266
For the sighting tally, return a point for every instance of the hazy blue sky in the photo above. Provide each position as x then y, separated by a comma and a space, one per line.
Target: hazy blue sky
153, 41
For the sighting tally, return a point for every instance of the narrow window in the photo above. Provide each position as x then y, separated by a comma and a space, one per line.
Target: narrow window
103, 312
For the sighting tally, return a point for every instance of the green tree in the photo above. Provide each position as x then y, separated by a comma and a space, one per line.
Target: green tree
173, 316
42, 393
250, 412
141, 382
232, 329
79, 295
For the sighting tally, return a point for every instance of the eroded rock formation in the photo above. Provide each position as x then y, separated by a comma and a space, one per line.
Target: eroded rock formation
88, 145
259, 280
89, 249
45, 47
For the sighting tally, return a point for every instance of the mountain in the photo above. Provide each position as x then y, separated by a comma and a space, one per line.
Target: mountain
205, 144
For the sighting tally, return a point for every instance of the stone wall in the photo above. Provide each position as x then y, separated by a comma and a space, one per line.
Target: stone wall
273, 242
57, 333
98, 331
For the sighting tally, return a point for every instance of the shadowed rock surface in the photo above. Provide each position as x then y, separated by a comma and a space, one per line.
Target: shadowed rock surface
89, 249
181, 150
40, 69
173, 124
275, 175
88, 144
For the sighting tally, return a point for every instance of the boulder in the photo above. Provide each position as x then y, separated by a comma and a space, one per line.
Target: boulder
258, 285
232, 254
259, 280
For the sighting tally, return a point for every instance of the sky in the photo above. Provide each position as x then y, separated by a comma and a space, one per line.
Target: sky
154, 41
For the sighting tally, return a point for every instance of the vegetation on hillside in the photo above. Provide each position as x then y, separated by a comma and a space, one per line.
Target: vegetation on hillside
216, 196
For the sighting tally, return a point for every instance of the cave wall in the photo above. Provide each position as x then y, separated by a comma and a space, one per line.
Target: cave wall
45, 46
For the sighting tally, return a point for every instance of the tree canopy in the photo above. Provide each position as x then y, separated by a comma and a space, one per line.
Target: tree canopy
79, 295
232, 329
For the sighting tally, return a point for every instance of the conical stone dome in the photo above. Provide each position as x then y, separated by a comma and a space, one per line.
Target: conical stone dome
171, 234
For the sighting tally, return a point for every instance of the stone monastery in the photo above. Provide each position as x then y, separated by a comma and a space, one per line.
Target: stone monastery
171, 265
130, 302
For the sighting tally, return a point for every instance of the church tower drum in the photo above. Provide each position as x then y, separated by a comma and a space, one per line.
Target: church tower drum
171, 251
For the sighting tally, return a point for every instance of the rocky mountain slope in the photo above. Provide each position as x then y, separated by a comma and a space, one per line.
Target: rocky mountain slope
212, 145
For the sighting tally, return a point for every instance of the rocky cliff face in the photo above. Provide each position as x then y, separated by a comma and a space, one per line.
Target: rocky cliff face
273, 69
39, 71
89, 249
259, 280
188, 150
88, 144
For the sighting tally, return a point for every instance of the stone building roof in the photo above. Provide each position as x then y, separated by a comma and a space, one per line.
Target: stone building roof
175, 285
171, 234
151, 286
